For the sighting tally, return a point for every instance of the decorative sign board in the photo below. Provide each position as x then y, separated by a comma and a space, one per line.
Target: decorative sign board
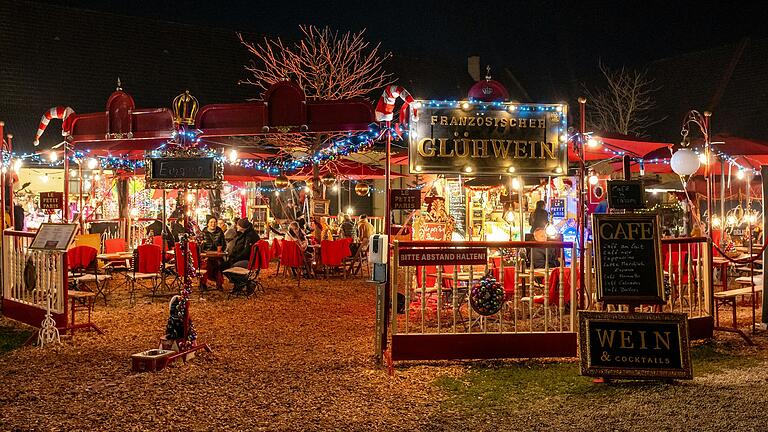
405, 199
557, 207
53, 237
184, 169
437, 231
457, 206
626, 194
634, 345
488, 138
440, 256
628, 259
320, 207
598, 191
51, 200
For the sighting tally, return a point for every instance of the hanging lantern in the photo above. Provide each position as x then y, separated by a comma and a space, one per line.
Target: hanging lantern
328, 180
362, 189
685, 163
282, 182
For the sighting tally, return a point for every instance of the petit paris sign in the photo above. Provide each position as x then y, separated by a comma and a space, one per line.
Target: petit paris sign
488, 138
634, 345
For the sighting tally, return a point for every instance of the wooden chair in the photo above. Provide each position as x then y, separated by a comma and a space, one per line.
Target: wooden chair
246, 280
358, 263
146, 266
81, 261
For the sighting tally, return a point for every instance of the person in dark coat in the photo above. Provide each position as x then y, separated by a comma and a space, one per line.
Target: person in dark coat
240, 248
158, 228
539, 218
540, 256
213, 241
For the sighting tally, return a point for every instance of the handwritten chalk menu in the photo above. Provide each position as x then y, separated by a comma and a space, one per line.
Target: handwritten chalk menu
53, 237
628, 259
626, 194
457, 206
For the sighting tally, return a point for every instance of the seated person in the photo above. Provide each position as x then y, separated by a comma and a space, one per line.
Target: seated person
239, 249
540, 256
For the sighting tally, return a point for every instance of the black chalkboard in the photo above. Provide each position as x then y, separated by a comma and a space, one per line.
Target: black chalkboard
626, 194
628, 259
183, 168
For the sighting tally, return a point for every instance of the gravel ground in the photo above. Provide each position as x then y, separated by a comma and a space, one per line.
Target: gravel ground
301, 359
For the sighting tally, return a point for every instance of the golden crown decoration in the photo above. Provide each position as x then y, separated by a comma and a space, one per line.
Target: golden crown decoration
185, 108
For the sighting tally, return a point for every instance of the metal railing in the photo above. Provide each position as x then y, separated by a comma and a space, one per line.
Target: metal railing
437, 298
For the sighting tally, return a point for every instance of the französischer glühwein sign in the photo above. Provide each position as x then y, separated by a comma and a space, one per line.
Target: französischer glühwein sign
488, 138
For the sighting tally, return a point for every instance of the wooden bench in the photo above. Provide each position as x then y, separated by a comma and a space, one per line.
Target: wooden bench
729, 296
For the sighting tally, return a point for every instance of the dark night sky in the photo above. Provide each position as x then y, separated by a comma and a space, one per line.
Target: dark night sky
567, 37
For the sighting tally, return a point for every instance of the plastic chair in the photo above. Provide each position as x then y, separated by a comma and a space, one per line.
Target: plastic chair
146, 266
246, 281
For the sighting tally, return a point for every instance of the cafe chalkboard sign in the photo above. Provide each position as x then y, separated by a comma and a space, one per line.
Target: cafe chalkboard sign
628, 259
184, 169
626, 194
634, 345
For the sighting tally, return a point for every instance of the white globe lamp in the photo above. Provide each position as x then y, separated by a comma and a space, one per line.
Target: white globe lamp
685, 163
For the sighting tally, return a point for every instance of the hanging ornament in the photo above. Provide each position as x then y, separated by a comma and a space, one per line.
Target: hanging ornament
282, 182
57, 112
362, 189
328, 180
487, 296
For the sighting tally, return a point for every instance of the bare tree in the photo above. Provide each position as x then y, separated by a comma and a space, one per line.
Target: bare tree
325, 63
625, 104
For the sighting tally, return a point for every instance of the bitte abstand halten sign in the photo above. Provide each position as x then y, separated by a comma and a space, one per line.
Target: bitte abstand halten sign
488, 138
628, 259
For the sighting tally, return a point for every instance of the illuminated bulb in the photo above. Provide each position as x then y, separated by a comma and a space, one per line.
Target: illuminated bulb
593, 179
559, 108
87, 184
306, 188
559, 170
4, 170
703, 158
233, 155
731, 220
512, 108
418, 168
134, 212
414, 134
592, 142
54, 157
511, 169
97, 177
72, 173
17, 164
716, 221
349, 210
417, 105
465, 105
563, 138
242, 192
277, 193
190, 198
515, 184
92, 163
44, 178
467, 169
740, 174
550, 230
336, 187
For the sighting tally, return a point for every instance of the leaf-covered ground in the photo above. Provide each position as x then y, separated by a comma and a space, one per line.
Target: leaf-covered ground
302, 359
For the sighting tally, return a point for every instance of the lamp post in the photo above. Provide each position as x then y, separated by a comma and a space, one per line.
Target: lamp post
580, 214
683, 165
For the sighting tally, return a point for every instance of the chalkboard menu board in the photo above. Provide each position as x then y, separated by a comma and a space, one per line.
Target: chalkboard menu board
628, 259
458, 206
184, 169
626, 194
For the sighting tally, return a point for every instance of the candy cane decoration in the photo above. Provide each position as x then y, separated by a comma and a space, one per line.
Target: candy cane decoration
386, 105
59, 112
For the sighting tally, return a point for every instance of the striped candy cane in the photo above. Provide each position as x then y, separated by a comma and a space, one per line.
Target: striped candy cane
59, 112
386, 105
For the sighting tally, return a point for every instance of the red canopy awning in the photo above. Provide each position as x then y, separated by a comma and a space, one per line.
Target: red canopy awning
347, 170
